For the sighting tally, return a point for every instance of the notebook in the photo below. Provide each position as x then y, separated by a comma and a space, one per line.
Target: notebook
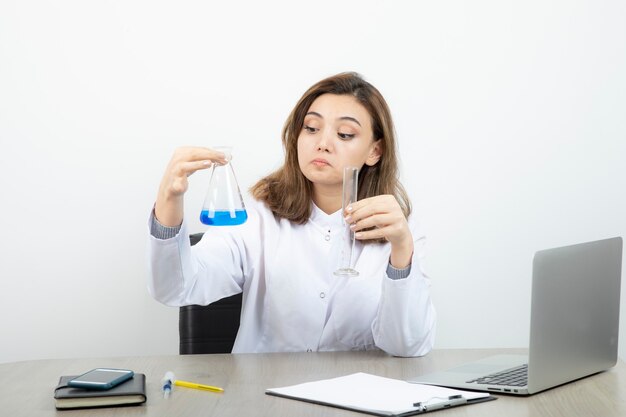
379, 395
131, 392
574, 324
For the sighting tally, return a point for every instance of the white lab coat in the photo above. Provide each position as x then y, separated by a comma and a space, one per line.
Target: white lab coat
292, 301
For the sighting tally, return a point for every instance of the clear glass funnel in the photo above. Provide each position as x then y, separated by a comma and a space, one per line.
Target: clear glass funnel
223, 205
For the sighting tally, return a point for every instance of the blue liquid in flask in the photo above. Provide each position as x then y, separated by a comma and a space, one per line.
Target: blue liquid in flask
223, 218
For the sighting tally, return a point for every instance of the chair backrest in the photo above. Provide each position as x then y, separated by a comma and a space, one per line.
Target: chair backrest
209, 329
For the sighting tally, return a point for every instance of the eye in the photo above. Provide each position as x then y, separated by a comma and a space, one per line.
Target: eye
346, 136
310, 129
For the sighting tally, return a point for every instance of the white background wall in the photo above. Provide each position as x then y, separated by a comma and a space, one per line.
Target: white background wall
510, 117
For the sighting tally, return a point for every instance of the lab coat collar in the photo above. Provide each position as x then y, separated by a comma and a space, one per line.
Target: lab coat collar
332, 220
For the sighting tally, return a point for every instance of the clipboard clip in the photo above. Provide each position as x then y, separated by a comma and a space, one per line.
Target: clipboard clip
451, 401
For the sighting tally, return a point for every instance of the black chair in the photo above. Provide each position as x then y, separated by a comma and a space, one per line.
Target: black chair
209, 329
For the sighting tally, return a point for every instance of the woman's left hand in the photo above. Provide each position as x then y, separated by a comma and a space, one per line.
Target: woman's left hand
384, 215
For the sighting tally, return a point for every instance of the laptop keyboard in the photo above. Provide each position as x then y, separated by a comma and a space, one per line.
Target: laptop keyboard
517, 377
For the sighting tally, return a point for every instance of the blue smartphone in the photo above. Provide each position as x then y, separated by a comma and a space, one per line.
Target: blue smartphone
101, 378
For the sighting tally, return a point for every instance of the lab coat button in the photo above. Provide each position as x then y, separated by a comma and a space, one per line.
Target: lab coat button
322, 295
327, 237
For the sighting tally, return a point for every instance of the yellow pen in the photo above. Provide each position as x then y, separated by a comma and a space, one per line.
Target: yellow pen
187, 384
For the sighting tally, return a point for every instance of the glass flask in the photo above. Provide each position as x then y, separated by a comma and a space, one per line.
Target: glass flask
223, 205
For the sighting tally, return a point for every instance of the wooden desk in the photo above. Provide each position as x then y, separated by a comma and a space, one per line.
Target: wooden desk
27, 387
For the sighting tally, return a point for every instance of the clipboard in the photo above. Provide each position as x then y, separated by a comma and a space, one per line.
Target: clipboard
380, 396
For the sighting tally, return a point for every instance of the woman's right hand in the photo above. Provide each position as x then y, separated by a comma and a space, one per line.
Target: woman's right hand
185, 161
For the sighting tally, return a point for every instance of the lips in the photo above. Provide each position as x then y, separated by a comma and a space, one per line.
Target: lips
320, 162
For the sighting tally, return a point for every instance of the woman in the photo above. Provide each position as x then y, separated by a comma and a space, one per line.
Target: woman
283, 259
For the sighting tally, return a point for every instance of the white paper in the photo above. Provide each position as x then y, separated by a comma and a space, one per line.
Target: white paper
368, 392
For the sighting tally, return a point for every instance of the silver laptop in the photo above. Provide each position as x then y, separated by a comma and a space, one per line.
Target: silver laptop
574, 325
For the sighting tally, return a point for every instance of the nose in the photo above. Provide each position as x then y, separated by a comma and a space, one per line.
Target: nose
324, 143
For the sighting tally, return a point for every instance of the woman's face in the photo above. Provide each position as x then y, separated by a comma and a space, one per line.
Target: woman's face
337, 133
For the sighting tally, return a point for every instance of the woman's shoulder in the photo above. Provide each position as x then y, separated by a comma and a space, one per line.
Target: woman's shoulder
259, 212
256, 206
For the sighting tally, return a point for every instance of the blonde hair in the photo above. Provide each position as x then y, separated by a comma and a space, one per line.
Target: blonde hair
287, 192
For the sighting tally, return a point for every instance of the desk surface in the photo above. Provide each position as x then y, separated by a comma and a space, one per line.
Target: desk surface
27, 387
